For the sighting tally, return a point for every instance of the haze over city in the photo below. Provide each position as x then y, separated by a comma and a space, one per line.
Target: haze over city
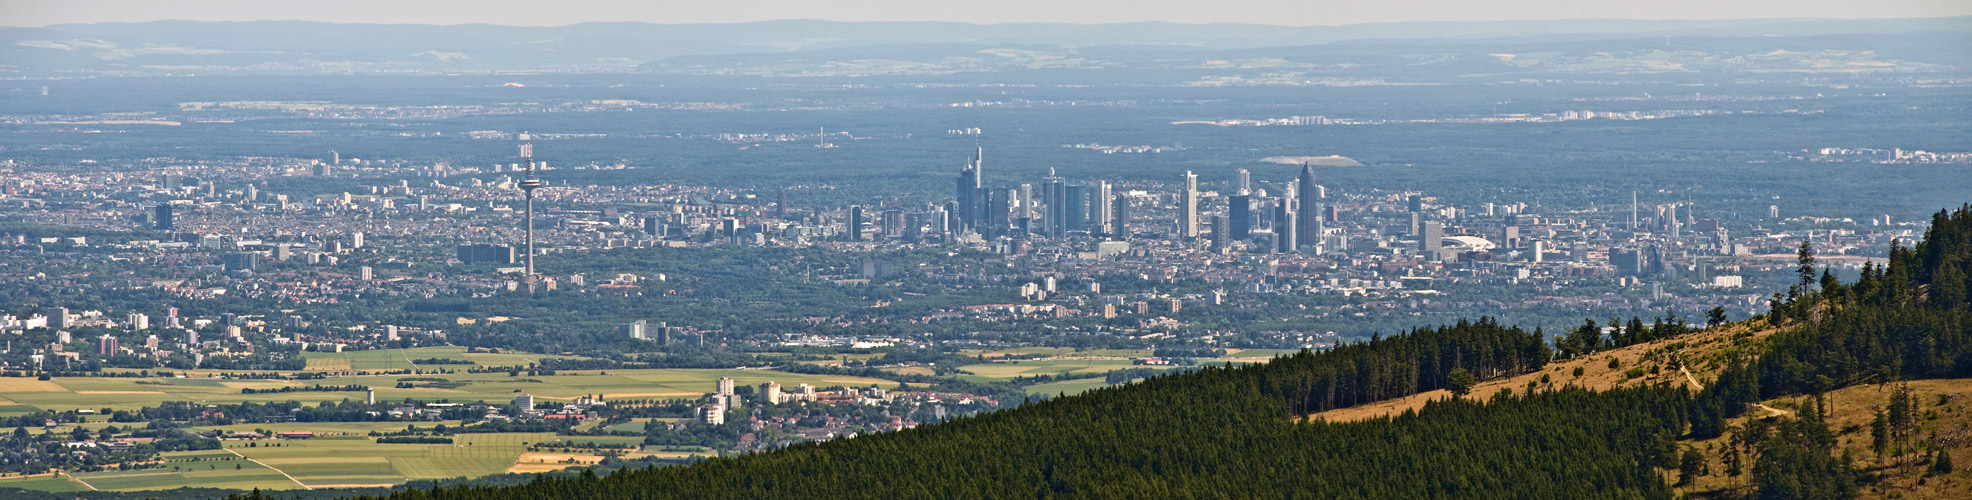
1291, 13
1094, 249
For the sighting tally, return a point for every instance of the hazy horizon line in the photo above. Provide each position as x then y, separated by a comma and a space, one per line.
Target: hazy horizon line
3, 24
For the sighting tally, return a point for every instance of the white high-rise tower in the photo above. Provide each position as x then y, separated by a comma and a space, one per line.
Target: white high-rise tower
1188, 213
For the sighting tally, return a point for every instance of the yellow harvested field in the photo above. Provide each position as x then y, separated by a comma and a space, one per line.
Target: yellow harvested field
537, 467
609, 395
11, 384
546, 458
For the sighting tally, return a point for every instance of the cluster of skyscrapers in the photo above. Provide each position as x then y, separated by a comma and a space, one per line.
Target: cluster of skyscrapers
1061, 207
1296, 219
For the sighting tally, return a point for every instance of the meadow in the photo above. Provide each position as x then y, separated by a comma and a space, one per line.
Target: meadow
343, 455
23, 395
405, 359
1067, 387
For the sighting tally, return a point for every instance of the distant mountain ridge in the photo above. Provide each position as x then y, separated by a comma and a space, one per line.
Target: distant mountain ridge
313, 47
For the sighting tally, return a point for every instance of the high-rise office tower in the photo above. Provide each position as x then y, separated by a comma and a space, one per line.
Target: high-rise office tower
164, 221
1100, 208
971, 193
1243, 185
57, 317
1239, 214
1633, 220
963, 196
1054, 222
1671, 217
356, 240
1028, 210
1309, 233
951, 227
1076, 210
252, 193
1416, 203
1432, 240
941, 223
1188, 208
890, 223
239, 261
979, 194
999, 207
1284, 224
1121, 212
855, 232
780, 207
1219, 233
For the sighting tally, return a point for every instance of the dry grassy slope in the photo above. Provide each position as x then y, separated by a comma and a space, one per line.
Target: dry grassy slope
1947, 409
1703, 354
1946, 403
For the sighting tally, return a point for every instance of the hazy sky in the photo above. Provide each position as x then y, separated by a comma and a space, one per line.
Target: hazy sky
1289, 12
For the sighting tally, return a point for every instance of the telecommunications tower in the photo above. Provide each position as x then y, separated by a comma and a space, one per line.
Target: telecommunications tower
528, 185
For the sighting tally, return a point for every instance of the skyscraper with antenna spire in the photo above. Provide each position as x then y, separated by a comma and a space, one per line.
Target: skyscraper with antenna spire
971, 193
527, 186
1308, 235
1633, 219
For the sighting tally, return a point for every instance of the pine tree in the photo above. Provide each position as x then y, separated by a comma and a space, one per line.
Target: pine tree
1879, 435
1690, 467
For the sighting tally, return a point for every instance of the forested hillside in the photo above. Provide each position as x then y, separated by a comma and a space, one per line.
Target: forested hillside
1230, 431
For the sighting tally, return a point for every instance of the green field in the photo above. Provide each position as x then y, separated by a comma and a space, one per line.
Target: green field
20, 395
581, 440
403, 359
205, 469
42, 483
637, 425
1011, 369
1067, 387
328, 462
1058, 351
343, 455
333, 428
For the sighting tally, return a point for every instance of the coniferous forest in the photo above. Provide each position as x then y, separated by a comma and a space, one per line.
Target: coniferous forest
1225, 432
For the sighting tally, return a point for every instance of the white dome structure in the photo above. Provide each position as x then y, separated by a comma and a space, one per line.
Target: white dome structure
1467, 243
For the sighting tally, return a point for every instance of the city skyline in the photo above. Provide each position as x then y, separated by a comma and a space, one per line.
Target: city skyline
298, 258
